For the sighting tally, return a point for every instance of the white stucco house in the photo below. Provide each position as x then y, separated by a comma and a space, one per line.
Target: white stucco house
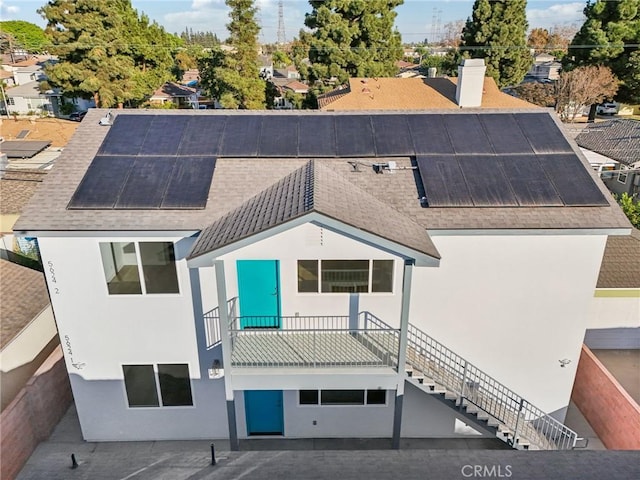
322, 274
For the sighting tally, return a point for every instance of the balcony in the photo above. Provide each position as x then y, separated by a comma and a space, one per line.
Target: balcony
307, 342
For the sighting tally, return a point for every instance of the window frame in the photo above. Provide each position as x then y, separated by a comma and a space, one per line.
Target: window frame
140, 268
319, 271
156, 379
623, 175
330, 405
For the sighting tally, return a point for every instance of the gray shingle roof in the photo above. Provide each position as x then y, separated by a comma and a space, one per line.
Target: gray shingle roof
618, 139
314, 187
233, 176
621, 262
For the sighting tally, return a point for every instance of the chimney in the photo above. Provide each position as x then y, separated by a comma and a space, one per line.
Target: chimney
470, 82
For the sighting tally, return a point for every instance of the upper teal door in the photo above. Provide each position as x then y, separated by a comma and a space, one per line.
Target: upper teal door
259, 293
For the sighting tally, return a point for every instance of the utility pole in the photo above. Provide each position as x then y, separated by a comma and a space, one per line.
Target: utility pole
281, 35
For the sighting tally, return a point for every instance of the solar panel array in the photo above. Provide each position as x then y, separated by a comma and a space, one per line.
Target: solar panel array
168, 161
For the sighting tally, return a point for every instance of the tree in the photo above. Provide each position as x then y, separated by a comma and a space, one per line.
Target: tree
610, 36
583, 86
353, 38
234, 78
280, 59
452, 33
542, 94
631, 208
24, 35
497, 32
538, 39
106, 51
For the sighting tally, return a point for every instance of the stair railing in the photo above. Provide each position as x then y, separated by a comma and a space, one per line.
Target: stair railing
473, 386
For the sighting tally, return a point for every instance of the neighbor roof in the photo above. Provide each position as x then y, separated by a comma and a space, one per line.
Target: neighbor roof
618, 139
314, 187
621, 262
410, 94
26, 90
16, 188
237, 180
172, 90
23, 295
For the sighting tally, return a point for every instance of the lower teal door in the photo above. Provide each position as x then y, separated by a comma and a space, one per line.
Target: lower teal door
259, 293
263, 410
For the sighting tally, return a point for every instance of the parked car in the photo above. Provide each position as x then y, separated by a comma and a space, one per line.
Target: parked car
607, 109
77, 116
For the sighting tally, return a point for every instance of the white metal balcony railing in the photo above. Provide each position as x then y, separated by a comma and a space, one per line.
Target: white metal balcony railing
333, 341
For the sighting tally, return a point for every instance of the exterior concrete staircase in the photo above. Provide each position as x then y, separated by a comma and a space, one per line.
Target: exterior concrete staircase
486, 403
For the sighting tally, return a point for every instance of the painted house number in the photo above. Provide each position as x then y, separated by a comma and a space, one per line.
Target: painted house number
52, 276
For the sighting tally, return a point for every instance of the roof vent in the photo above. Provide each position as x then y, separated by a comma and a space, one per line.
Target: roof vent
470, 82
107, 120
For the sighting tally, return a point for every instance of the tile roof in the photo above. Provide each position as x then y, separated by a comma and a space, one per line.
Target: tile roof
229, 189
410, 94
621, 262
23, 295
16, 188
314, 187
618, 139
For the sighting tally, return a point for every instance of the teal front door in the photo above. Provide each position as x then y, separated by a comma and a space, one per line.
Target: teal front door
263, 410
259, 293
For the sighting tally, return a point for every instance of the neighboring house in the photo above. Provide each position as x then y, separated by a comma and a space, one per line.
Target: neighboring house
414, 94
619, 141
28, 331
181, 96
278, 274
28, 99
294, 86
191, 77
545, 67
408, 69
290, 73
614, 317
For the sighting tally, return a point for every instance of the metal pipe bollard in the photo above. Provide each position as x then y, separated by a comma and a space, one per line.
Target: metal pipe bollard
213, 454
74, 463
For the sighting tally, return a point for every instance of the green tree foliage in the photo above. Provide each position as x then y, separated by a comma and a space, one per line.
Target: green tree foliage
497, 32
106, 51
202, 39
234, 78
631, 207
353, 38
24, 35
280, 59
610, 36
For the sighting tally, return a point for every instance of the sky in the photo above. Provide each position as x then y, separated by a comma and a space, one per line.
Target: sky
415, 18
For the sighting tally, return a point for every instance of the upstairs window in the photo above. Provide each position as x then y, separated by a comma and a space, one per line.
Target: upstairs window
137, 268
345, 276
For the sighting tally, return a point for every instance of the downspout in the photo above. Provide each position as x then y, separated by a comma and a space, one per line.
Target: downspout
402, 351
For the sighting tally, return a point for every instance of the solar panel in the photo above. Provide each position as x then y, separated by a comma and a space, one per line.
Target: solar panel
102, 182
429, 135
126, 135
316, 136
443, 182
190, 183
202, 135
354, 136
392, 135
542, 132
241, 134
467, 134
487, 184
505, 134
529, 182
279, 136
147, 182
572, 181
164, 135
